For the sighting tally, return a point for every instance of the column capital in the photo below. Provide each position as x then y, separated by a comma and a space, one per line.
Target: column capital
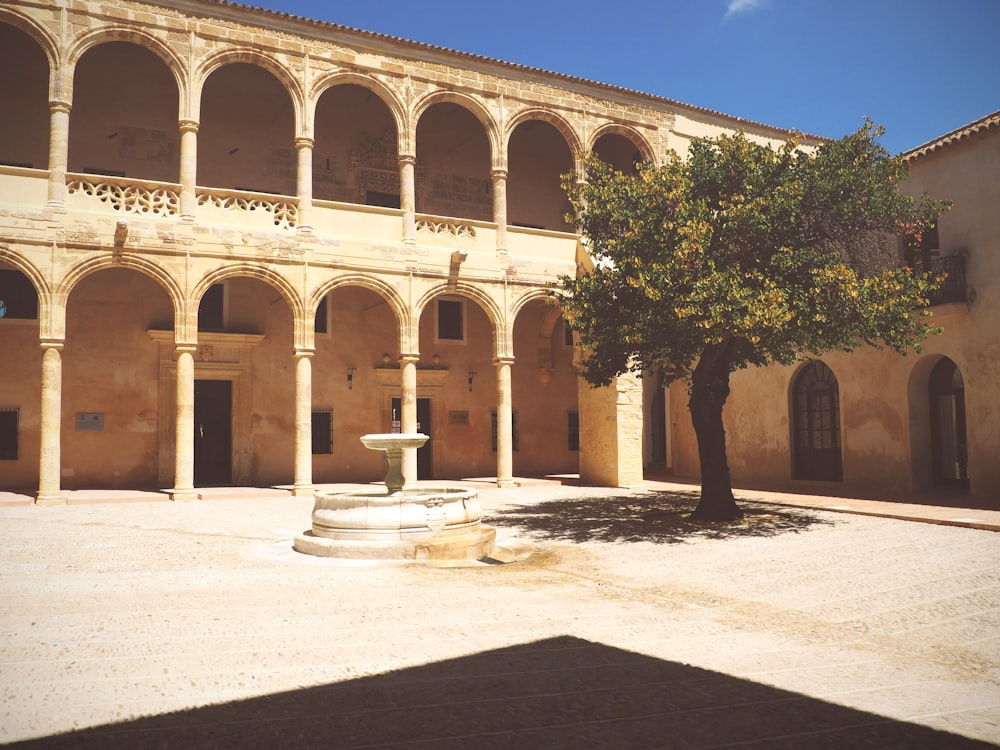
303, 351
498, 361
188, 126
56, 344
499, 173
409, 358
407, 159
185, 348
60, 105
304, 141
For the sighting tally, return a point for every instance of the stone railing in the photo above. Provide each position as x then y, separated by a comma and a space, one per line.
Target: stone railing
283, 211
438, 225
128, 196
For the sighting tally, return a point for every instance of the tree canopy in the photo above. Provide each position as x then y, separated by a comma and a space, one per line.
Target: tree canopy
742, 254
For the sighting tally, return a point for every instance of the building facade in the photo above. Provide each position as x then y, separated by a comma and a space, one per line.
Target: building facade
872, 421
232, 241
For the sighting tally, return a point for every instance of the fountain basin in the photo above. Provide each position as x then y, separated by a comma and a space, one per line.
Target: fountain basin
417, 523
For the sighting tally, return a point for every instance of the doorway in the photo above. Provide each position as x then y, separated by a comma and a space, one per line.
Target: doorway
425, 455
213, 432
949, 444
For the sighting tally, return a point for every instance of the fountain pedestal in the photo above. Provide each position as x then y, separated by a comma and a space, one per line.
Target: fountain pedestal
421, 523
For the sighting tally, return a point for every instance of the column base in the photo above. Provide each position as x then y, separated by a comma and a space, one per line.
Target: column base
303, 490
41, 499
183, 495
506, 484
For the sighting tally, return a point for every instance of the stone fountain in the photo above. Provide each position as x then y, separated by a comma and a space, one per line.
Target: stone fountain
400, 523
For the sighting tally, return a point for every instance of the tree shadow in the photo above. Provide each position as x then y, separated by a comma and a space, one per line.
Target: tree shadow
659, 517
560, 692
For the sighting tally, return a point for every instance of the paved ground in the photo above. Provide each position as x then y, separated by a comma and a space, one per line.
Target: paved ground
157, 624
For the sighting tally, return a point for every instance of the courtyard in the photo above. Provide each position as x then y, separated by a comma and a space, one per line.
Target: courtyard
604, 620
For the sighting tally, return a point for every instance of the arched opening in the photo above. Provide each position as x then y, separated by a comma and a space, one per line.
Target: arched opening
20, 394
816, 424
244, 375
110, 395
544, 389
124, 117
618, 151
949, 446
453, 164
456, 384
355, 375
537, 157
24, 89
355, 159
247, 132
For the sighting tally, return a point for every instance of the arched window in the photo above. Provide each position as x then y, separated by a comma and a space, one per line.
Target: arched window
948, 440
816, 424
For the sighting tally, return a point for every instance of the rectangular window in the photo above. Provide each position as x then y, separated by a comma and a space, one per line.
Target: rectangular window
567, 335
8, 434
18, 298
573, 430
513, 430
918, 253
212, 310
451, 320
383, 200
322, 432
320, 324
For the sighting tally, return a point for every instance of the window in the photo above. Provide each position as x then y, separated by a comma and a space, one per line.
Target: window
919, 252
383, 200
320, 325
513, 430
18, 298
322, 432
567, 335
573, 430
211, 311
816, 424
8, 434
451, 320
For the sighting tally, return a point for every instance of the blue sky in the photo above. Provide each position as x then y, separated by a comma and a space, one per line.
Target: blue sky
920, 67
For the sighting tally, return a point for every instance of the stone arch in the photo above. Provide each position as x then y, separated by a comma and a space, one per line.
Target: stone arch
130, 35
569, 134
383, 92
34, 275
634, 136
501, 328
228, 56
145, 266
43, 39
473, 105
374, 284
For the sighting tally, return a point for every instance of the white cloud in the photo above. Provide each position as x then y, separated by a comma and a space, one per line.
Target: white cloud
739, 6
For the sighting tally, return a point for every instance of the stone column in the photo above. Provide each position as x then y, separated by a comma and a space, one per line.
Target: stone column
189, 169
408, 411
58, 152
304, 185
505, 425
408, 197
303, 486
500, 208
49, 465
184, 422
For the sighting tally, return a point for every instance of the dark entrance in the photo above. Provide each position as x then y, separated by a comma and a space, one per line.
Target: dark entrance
213, 432
948, 439
425, 462
816, 424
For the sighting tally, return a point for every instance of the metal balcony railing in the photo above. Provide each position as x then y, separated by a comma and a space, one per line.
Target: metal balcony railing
953, 288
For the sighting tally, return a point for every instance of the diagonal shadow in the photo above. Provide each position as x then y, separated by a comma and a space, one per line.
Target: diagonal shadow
560, 692
660, 517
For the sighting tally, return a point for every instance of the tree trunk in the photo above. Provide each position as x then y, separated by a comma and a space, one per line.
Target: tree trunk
709, 391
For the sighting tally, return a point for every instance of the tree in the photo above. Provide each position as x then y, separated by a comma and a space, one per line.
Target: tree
743, 255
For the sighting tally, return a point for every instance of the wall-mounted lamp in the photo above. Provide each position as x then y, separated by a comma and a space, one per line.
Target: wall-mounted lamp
350, 377
472, 375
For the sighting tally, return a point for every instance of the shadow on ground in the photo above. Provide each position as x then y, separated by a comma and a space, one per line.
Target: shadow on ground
556, 693
660, 517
